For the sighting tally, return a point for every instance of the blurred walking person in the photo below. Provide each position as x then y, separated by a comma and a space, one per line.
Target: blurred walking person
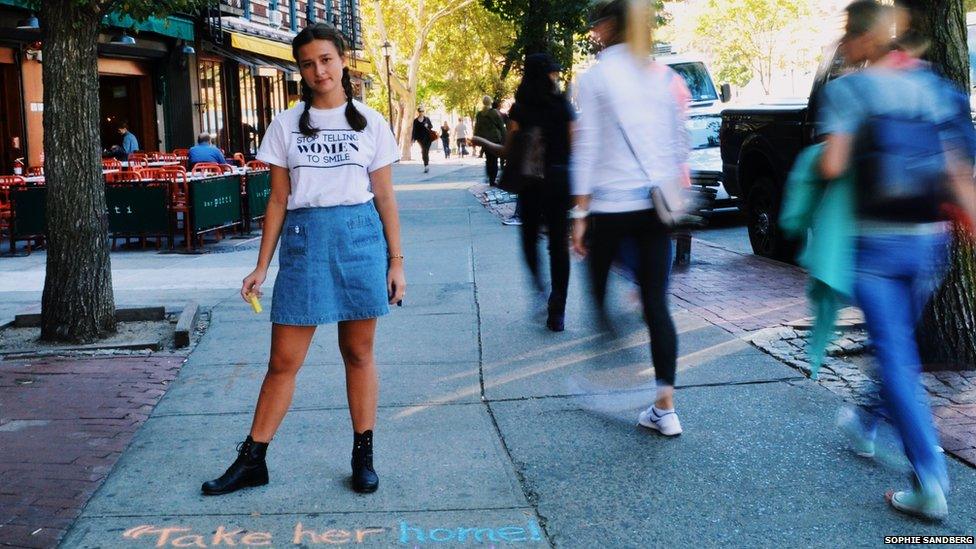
461, 134
631, 145
488, 125
424, 135
446, 139
906, 136
543, 112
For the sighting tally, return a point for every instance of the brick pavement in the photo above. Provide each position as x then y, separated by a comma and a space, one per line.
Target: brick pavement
63, 425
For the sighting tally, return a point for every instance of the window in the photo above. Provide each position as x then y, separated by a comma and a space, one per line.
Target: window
251, 129
212, 107
698, 82
279, 97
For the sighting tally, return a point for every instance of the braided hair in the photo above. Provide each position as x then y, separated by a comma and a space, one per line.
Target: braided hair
322, 31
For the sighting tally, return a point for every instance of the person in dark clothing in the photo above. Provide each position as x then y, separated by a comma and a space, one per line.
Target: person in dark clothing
540, 104
488, 125
446, 139
423, 132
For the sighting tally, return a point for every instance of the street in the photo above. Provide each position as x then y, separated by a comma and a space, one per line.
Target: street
492, 430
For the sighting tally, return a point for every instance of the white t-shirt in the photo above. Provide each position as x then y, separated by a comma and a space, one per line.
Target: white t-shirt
332, 167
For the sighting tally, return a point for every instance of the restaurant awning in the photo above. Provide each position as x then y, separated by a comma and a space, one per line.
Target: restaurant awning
249, 60
261, 46
175, 27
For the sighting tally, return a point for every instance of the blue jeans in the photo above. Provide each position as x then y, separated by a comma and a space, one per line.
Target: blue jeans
895, 278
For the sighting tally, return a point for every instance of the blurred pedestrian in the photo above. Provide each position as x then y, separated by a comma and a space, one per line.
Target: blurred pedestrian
335, 218
541, 108
446, 139
489, 126
424, 135
631, 145
906, 135
461, 131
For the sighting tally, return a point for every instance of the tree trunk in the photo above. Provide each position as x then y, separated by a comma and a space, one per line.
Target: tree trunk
947, 333
406, 125
77, 304
944, 22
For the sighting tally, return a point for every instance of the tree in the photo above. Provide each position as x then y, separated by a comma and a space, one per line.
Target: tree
554, 26
406, 24
750, 37
948, 329
466, 57
77, 303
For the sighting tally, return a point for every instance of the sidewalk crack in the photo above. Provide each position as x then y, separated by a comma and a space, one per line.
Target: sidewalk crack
531, 496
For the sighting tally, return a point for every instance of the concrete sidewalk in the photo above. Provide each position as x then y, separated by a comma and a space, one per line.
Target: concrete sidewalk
494, 431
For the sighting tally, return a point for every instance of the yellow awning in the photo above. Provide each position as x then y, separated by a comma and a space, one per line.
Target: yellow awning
363, 66
261, 46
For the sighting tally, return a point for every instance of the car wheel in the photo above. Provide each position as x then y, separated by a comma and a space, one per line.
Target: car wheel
762, 211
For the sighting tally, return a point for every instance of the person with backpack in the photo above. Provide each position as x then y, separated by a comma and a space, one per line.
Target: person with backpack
629, 163
540, 125
905, 136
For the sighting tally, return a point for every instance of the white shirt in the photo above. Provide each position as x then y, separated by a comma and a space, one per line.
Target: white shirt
332, 167
461, 131
620, 95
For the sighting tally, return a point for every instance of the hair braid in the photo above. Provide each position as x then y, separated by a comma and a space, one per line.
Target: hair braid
305, 122
355, 118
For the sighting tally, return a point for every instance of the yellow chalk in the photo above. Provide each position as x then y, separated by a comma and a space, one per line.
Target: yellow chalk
255, 304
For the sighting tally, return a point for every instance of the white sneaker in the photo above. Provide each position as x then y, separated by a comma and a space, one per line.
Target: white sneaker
665, 423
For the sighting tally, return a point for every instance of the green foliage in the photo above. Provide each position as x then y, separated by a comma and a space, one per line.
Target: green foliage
554, 26
465, 56
751, 38
970, 5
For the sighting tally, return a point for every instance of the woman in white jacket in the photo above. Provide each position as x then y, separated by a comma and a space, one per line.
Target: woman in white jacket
630, 139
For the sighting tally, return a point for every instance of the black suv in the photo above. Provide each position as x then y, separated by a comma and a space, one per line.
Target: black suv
759, 145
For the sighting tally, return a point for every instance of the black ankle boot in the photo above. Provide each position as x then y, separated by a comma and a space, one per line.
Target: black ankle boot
364, 479
249, 469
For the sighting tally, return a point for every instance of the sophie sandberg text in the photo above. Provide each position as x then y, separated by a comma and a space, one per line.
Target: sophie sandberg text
926, 540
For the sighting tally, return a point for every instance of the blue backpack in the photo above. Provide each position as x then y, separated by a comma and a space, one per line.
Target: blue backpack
901, 164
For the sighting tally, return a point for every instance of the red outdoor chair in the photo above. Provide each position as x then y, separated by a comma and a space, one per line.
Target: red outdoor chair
123, 177
111, 164
239, 159
208, 168
35, 171
258, 165
7, 181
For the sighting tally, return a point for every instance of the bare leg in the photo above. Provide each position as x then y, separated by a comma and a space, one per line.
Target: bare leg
362, 382
289, 346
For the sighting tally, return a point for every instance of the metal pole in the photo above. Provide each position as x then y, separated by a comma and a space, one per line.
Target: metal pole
389, 93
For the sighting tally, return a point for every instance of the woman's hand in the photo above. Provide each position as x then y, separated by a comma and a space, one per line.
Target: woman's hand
252, 283
579, 236
396, 282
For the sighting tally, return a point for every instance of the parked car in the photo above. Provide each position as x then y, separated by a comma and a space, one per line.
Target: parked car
758, 147
704, 123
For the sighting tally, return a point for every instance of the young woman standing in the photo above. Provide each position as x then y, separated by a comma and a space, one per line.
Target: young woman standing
332, 204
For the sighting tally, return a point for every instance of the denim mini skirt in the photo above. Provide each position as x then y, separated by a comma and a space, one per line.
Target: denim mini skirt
332, 266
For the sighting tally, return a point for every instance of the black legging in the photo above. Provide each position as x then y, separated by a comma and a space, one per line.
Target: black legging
547, 201
653, 247
491, 165
425, 151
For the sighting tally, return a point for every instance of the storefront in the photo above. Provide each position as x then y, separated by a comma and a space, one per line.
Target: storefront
12, 130
143, 82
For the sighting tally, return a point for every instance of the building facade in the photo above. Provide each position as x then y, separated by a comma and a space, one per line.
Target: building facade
227, 70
